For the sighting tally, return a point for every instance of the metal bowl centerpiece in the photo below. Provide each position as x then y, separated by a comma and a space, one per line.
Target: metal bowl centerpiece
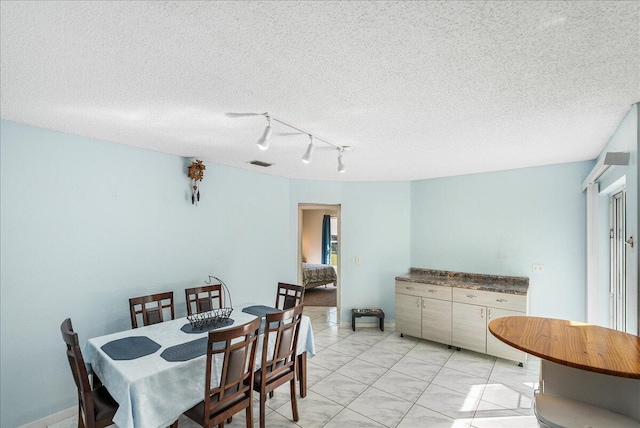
211, 317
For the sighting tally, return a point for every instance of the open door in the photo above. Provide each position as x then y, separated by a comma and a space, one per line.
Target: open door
318, 258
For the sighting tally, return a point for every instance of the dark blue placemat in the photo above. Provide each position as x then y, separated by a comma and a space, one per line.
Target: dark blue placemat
189, 350
187, 328
130, 348
260, 310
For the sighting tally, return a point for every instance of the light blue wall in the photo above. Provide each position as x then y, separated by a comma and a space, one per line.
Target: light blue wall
625, 139
375, 228
501, 223
86, 225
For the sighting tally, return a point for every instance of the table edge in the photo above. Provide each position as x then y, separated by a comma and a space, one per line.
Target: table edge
585, 367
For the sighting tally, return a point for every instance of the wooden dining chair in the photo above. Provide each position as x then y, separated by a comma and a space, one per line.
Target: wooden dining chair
233, 393
289, 295
202, 299
151, 308
278, 361
96, 407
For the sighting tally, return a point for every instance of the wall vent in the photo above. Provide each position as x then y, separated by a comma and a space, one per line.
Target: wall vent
260, 163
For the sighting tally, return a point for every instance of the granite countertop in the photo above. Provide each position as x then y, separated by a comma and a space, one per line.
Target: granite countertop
473, 281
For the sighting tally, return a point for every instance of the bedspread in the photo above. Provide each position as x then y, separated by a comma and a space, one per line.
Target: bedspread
315, 274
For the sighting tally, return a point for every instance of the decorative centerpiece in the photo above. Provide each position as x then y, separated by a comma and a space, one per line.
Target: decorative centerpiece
213, 317
217, 316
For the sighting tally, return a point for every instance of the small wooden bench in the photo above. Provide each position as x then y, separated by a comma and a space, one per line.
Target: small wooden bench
357, 313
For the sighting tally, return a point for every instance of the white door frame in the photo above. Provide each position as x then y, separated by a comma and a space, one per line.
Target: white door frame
618, 260
333, 207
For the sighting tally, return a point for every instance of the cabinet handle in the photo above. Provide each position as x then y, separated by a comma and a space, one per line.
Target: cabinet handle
433, 291
418, 302
488, 313
502, 300
424, 304
481, 312
471, 296
411, 288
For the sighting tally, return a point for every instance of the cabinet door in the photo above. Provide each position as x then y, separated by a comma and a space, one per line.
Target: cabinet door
497, 347
408, 314
469, 327
436, 320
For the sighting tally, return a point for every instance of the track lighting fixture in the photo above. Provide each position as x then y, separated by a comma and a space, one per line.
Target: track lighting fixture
263, 142
307, 155
341, 167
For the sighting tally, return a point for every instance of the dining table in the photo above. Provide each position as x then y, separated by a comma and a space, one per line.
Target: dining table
157, 372
583, 363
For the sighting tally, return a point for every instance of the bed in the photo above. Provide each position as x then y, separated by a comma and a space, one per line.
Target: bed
314, 275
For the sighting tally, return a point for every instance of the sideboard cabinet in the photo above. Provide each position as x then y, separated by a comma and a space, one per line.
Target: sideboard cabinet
424, 310
472, 312
453, 311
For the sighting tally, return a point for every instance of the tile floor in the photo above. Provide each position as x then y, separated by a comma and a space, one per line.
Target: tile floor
370, 378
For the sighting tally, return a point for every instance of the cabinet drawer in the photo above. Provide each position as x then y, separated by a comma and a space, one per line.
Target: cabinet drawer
513, 302
424, 290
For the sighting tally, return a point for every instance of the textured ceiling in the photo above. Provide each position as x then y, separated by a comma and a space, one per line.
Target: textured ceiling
418, 89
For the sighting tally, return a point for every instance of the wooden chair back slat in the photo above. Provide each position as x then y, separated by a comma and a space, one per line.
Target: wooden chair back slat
86, 405
202, 299
78, 368
151, 308
282, 329
289, 295
234, 391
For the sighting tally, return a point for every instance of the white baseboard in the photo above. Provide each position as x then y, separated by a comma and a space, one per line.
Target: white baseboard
52, 419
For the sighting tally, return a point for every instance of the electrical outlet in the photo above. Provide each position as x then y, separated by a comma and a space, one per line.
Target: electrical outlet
537, 268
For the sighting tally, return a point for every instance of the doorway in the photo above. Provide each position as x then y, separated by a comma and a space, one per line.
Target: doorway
314, 221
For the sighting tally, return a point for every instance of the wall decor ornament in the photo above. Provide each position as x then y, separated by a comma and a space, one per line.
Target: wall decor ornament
196, 173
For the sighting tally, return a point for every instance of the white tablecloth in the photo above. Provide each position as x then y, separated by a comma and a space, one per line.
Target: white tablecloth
153, 392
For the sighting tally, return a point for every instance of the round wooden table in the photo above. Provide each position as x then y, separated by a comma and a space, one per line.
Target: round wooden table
580, 364
574, 344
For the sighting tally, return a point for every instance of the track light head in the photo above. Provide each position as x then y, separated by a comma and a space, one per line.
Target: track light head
341, 167
263, 142
307, 155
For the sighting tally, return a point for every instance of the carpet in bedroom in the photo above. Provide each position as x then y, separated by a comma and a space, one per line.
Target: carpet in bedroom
321, 296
